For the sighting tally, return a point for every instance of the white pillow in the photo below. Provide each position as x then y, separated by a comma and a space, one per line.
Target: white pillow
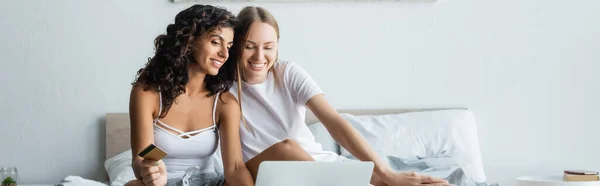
119, 169
427, 134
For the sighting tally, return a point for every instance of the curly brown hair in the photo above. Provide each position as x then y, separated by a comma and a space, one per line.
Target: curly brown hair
167, 70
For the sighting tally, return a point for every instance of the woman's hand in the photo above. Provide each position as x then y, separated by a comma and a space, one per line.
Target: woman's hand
152, 173
413, 179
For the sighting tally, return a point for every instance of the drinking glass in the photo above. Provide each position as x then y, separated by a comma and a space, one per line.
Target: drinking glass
6, 172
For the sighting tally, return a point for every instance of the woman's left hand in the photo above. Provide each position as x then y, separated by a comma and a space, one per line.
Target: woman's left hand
413, 179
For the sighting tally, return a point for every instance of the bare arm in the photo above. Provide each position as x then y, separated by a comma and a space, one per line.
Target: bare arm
143, 107
346, 135
236, 172
350, 139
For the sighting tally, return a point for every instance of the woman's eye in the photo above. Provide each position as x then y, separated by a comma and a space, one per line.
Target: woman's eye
215, 43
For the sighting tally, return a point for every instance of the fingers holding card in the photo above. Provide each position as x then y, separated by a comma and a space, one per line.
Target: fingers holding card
152, 152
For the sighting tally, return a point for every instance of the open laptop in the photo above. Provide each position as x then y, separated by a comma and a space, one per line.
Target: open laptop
311, 173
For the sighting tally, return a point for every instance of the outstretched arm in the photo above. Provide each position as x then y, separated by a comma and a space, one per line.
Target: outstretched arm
344, 134
349, 138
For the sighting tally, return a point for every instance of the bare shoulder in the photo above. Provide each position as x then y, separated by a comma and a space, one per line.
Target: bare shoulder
227, 98
143, 98
228, 105
142, 89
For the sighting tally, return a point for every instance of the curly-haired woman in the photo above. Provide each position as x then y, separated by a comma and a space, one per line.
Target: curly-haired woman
179, 102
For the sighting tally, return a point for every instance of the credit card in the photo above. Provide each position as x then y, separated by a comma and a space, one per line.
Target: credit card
152, 152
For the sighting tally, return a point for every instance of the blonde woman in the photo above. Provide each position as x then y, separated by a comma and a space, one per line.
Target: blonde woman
274, 95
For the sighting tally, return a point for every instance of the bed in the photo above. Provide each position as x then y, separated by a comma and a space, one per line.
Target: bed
436, 141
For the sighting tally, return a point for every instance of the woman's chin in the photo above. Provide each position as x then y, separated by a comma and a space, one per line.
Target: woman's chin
259, 75
213, 73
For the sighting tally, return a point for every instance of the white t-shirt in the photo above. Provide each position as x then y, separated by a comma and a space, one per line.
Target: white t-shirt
276, 111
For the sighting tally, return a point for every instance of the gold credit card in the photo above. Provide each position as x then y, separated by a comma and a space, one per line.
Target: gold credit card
152, 152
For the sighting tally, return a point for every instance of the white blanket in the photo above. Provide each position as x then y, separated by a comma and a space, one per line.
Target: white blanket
79, 181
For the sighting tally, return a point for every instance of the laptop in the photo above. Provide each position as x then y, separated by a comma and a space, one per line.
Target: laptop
311, 173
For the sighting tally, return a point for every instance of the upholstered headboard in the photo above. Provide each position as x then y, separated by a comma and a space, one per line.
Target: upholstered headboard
117, 126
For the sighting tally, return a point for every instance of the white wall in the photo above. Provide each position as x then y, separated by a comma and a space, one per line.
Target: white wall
527, 69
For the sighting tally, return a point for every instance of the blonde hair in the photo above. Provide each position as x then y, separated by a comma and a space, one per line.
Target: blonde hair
246, 18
